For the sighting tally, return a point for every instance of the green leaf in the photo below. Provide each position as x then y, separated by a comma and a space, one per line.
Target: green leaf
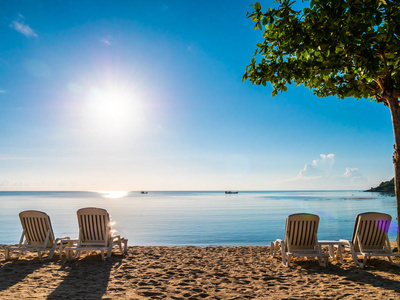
338, 50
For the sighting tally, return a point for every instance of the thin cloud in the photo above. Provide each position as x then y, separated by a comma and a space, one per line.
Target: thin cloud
19, 26
4, 183
3, 157
3, 91
106, 41
354, 175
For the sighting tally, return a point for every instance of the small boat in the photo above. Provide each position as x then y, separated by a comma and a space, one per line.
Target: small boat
143, 192
230, 192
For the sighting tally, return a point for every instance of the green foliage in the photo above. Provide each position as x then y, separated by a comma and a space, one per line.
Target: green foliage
347, 48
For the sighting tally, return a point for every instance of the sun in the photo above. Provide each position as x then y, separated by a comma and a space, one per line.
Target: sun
111, 104
112, 107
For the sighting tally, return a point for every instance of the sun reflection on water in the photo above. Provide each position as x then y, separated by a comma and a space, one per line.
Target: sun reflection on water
113, 194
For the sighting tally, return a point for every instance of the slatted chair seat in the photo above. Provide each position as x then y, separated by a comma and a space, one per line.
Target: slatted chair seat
300, 239
37, 235
370, 237
95, 233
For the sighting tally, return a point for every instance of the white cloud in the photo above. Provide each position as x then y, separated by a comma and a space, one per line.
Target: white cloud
22, 28
350, 172
3, 91
354, 175
318, 167
321, 174
106, 41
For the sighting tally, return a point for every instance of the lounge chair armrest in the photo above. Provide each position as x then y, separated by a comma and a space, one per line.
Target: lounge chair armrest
62, 238
347, 242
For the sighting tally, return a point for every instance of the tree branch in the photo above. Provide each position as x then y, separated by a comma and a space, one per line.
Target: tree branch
366, 61
383, 56
380, 84
368, 86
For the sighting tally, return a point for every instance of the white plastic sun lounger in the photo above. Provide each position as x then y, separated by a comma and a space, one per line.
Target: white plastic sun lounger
300, 239
95, 233
37, 235
370, 237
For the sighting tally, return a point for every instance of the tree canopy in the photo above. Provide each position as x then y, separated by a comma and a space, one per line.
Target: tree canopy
346, 48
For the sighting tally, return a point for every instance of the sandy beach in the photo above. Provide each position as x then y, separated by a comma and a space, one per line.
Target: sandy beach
195, 273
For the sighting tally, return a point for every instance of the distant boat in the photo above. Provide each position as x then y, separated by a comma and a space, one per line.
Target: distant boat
143, 192
230, 192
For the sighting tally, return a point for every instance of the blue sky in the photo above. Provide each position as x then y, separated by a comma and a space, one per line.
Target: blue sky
138, 95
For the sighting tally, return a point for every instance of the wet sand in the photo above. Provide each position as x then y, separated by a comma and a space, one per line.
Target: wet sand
195, 273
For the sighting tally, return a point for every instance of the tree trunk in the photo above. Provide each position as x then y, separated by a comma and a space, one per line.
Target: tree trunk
393, 104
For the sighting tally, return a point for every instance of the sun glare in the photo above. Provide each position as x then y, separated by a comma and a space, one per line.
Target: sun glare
113, 194
111, 104
113, 107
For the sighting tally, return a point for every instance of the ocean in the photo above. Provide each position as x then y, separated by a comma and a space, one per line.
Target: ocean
197, 218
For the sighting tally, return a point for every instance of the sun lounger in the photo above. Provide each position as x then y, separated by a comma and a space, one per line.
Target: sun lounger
300, 239
95, 233
37, 235
370, 237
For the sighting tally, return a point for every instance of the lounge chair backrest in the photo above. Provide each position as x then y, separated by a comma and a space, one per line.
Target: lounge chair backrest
370, 231
301, 231
37, 228
94, 226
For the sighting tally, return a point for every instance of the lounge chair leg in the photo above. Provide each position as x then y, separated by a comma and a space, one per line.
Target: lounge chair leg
285, 260
52, 251
61, 250
125, 246
365, 261
321, 263
339, 253
274, 250
77, 254
7, 254
277, 247
355, 258
120, 243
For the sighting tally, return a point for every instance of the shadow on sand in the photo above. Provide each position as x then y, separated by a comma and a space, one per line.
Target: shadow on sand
87, 278
369, 276
14, 271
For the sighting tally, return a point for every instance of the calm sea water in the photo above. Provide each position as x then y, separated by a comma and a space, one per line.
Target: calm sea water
197, 218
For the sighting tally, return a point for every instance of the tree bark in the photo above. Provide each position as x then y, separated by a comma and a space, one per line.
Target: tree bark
394, 107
